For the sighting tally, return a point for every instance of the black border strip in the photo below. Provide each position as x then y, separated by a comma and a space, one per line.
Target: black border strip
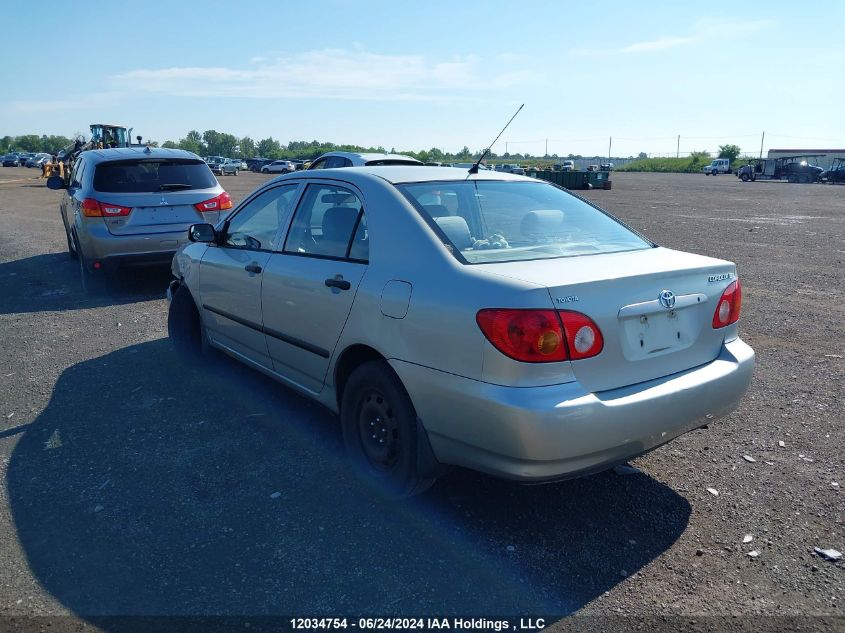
308, 347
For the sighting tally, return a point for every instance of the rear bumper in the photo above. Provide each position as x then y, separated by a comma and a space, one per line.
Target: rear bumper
113, 262
560, 431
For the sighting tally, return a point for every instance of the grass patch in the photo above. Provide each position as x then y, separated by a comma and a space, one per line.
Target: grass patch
688, 165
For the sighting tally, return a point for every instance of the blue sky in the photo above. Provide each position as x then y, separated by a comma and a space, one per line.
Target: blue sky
427, 74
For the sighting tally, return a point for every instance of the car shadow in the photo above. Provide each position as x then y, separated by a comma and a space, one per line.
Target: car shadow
151, 485
52, 282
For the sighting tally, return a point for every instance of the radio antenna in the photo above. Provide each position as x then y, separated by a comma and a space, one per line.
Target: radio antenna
474, 168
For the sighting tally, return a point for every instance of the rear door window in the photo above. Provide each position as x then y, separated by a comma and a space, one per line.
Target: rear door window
329, 222
139, 176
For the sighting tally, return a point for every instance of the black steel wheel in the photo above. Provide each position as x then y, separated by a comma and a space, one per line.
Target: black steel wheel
184, 326
380, 431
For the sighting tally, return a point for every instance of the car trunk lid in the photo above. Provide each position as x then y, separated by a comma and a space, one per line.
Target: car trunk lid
162, 212
644, 338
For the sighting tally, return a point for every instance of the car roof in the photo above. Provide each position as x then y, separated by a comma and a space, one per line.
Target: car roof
404, 174
127, 153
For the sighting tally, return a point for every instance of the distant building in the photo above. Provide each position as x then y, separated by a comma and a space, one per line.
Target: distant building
823, 159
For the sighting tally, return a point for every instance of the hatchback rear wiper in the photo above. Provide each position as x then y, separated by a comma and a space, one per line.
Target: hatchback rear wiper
173, 186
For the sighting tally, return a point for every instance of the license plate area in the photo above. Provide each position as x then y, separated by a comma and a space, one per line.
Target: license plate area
649, 335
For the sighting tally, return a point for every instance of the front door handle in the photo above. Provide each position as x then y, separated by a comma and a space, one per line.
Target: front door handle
338, 283
252, 268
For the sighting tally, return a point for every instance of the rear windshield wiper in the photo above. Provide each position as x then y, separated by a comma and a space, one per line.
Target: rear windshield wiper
173, 186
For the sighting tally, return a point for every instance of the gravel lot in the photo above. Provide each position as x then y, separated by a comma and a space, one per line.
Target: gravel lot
137, 484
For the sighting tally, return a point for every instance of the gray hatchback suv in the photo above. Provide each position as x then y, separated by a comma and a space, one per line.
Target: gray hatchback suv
133, 205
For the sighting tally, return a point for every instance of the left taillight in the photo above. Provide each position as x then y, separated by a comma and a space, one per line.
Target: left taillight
541, 336
92, 208
729, 306
217, 203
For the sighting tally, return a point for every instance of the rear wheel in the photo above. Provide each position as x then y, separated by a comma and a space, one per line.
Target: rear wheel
92, 282
380, 430
71, 249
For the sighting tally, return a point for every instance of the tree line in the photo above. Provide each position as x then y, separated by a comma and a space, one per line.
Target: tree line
34, 143
214, 143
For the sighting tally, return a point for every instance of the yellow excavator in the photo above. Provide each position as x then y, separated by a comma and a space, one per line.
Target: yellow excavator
103, 136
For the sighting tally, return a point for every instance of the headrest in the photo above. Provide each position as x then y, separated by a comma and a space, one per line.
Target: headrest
337, 198
436, 210
542, 223
456, 229
338, 223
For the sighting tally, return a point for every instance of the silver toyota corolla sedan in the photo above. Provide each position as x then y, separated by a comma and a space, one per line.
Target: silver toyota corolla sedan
490, 321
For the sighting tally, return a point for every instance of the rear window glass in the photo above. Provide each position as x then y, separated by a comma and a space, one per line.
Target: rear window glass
501, 221
392, 161
139, 176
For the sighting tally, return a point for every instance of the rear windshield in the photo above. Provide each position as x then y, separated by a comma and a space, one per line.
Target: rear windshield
501, 221
140, 176
392, 161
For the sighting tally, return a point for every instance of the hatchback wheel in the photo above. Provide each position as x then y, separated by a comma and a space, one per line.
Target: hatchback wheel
71, 249
380, 430
92, 282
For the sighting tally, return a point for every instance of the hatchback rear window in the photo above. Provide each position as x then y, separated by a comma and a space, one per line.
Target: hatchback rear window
503, 221
140, 176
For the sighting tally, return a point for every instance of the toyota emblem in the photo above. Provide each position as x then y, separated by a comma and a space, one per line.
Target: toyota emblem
667, 299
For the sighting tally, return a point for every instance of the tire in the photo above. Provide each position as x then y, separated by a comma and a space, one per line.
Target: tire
385, 455
792, 178
92, 283
184, 326
714, 172
236, 171
744, 178
71, 250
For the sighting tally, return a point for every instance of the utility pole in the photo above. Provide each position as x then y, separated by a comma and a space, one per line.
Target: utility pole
506, 147
678, 151
547, 147
761, 143
609, 145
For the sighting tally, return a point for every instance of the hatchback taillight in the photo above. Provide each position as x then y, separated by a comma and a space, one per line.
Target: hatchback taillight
92, 208
217, 203
729, 306
540, 336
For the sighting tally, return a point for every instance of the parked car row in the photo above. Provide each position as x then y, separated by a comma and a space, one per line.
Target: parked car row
560, 344
21, 159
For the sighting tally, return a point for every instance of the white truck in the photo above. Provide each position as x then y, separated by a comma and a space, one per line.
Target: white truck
717, 166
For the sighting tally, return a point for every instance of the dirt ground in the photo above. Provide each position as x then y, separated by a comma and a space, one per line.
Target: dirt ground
136, 484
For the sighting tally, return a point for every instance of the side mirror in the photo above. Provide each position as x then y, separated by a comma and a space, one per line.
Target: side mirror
56, 182
202, 233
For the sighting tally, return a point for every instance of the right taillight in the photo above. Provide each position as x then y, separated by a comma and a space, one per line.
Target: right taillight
540, 336
729, 306
217, 203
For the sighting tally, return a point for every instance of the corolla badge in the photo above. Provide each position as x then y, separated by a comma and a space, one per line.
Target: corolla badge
667, 299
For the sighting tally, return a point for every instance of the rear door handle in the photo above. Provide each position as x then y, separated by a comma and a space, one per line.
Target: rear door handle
252, 268
338, 283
